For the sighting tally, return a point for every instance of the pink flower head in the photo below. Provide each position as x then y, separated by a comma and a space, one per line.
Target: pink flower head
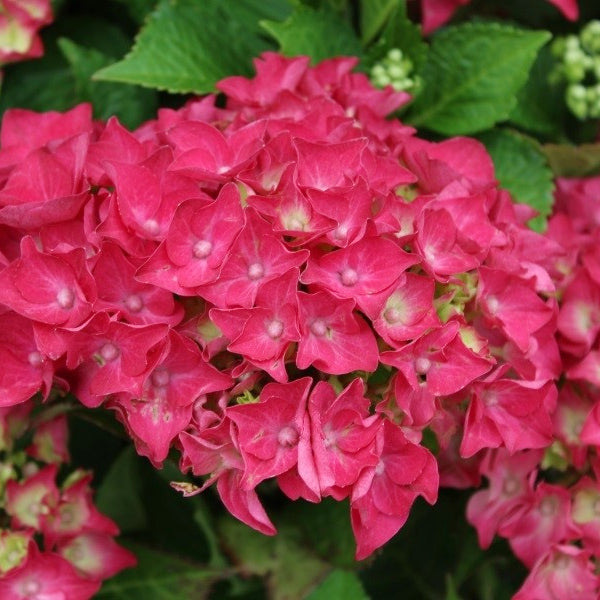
25, 370
437, 12
439, 360
510, 413
403, 311
342, 436
120, 294
256, 256
509, 490
164, 408
95, 555
46, 576
565, 572
512, 304
585, 512
544, 520
361, 269
49, 443
53, 289
333, 337
30, 501
263, 334
19, 24
214, 451
75, 513
274, 433
382, 497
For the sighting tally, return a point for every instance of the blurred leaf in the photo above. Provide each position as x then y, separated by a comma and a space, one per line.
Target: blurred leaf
159, 576
203, 519
339, 584
171, 522
138, 9
326, 529
451, 593
319, 33
131, 104
373, 15
573, 161
472, 75
187, 46
401, 32
523, 170
61, 78
540, 106
290, 569
119, 496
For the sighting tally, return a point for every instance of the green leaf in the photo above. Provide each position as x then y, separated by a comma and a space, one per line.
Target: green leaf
472, 76
131, 104
326, 529
187, 46
523, 170
291, 570
373, 15
573, 161
540, 105
401, 32
451, 593
159, 576
339, 584
319, 33
119, 495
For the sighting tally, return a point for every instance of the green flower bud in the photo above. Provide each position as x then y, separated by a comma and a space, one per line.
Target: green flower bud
577, 100
590, 37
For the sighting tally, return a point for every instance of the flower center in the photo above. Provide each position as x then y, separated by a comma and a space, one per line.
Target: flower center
255, 271
288, 436
493, 305
109, 351
548, 506
202, 248
318, 327
35, 359
160, 378
422, 365
275, 329
511, 486
134, 303
340, 232
30, 588
349, 277
65, 298
151, 227
392, 315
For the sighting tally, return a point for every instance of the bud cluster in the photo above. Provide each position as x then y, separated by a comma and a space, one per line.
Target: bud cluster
395, 70
579, 67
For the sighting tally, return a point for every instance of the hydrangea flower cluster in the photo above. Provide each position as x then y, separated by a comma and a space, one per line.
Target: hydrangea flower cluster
78, 551
284, 286
547, 504
20, 21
